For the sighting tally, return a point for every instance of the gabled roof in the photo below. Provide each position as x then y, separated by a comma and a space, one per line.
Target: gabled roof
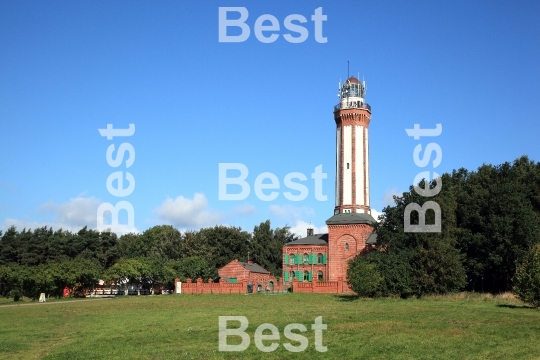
372, 239
316, 239
256, 268
350, 218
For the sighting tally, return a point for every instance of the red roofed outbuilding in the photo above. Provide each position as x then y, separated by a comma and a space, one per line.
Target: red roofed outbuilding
255, 275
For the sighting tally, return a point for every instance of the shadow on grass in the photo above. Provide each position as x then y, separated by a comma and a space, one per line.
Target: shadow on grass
510, 306
348, 297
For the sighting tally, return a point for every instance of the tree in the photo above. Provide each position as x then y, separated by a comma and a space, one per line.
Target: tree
192, 267
79, 274
527, 278
266, 246
158, 242
496, 220
124, 271
418, 263
225, 244
437, 268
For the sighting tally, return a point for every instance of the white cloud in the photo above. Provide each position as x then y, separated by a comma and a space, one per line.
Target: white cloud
72, 215
245, 209
290, 213
188, 213
388, 196
76, 213
9, 187
375, 214
300, 228
26, 224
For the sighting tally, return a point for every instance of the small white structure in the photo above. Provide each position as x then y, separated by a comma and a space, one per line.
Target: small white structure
42, 297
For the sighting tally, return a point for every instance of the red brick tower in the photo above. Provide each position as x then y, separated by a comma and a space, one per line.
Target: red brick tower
352, 116
350, 228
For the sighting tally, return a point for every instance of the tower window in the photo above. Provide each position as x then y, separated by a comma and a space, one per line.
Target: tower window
347, 166
347, 246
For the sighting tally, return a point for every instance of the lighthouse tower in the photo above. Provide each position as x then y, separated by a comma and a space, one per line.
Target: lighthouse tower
350, 229
352, 116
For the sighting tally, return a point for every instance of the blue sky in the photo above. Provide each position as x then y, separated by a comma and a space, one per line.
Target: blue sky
68, 69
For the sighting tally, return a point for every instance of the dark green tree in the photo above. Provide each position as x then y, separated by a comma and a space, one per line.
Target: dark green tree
527, 278
266, 246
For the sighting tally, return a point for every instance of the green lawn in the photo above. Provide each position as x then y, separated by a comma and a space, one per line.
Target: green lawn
465, 326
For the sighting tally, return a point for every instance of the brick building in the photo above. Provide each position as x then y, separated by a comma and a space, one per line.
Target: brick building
324, 257
254, 274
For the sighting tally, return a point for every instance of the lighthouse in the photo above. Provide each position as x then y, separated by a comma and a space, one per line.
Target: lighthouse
325, 257
352, 116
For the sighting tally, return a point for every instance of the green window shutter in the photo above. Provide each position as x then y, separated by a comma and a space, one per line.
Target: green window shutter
286, 261
298, 258
286, 275
300, 276
310, 276
313, 258
324, 259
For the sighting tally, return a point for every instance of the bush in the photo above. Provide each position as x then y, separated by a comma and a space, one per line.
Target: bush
363, 277
527, 278
16, 295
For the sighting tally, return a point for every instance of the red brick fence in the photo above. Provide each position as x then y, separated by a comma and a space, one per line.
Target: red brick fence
223, 287
321, 287
210, 287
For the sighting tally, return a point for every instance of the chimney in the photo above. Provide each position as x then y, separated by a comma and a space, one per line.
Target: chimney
250, 262
309, 231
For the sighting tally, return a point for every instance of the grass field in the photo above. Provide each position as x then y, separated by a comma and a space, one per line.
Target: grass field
463, 326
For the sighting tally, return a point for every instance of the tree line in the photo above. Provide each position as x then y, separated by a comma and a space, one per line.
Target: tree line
44, 260
490, 225
490, 221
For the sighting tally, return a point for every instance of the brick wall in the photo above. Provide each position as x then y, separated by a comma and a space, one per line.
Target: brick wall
355, 235
305, 249
222, 287
321, 287
235, 269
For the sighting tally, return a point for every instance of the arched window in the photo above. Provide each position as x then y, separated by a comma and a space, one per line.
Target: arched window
319, 259
291, 259
292, 275
306, 259
347, 246
306, 275
320, 276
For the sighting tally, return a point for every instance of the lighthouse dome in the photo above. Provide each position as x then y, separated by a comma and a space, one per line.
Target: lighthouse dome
353, 88
353, 80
